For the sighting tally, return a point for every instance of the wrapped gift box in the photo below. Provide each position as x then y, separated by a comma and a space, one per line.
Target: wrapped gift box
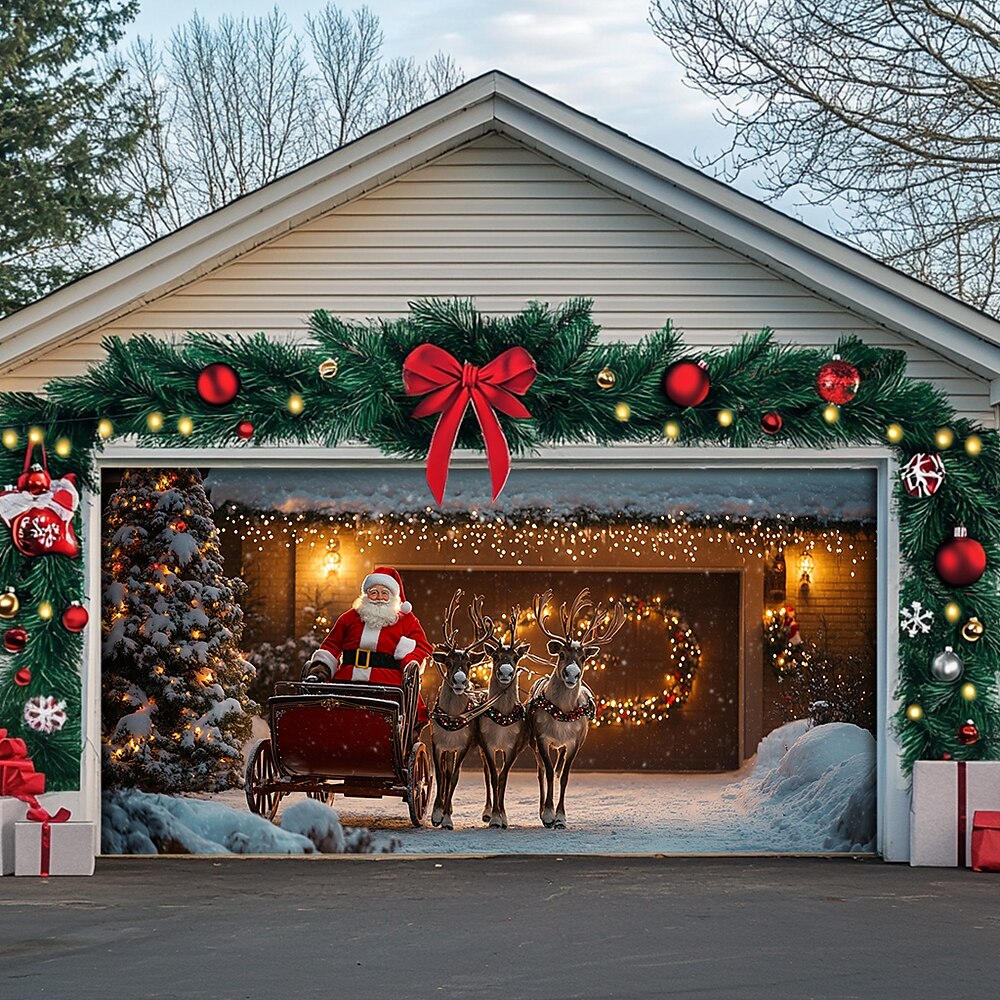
11, 811
946, 794
71, 849
986, 841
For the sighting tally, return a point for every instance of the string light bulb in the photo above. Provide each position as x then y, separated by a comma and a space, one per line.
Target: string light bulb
725, 418
154, 421
952, 611
105, 428
944, 438
623, 412
36, 435
969, 691
63, 447
914, 712
973, 444
894, 433
185, 426
671, 430
831, 413
295, 404
45, 611
10, 438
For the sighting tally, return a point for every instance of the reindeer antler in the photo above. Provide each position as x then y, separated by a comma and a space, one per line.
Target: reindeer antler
539, 604
450, 632
484, 624
515, 613
598, 636
570, 620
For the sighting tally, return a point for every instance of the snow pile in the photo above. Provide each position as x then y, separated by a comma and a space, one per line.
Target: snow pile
134, 822
819, 795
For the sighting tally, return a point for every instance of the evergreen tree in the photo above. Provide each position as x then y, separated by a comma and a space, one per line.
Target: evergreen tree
174, 681
64, 125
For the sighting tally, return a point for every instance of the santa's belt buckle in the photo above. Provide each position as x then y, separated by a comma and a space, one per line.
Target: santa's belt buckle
367, 653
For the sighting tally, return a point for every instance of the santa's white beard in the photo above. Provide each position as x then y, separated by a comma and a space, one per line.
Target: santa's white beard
377, 615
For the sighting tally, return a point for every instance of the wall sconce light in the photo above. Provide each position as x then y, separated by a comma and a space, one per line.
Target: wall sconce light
331, 562
806, 566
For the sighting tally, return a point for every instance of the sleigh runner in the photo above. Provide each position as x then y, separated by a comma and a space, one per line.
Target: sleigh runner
354, 739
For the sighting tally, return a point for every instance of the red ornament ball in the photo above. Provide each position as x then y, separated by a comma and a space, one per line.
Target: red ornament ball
686, 383
961, 560
838, 381
75, 617
15, 639
244, 430
968, 733
218, 384
23, 677
922, 475
35, 481
771, 422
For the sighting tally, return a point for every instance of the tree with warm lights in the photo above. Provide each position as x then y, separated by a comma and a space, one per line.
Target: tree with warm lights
174, 680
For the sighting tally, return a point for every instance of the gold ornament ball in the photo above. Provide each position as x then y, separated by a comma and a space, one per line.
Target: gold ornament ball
623, 412
952, 612
914, 712
45, 611
9, 604
154, 421
972, 630
606, 379
328, 368
831, 413
671, 430
969, 691
894, 432
944, 438
295, 403
185, 426
105, 428
63, 447
725, 418
973, 444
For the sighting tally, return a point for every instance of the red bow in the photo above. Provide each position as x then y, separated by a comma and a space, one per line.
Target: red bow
452, 385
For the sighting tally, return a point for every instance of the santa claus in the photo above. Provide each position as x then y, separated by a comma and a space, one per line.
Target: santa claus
376, 639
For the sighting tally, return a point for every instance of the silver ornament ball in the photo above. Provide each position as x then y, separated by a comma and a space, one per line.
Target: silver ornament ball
947, 666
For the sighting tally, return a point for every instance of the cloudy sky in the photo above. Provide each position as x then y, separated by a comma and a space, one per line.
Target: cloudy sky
600, 56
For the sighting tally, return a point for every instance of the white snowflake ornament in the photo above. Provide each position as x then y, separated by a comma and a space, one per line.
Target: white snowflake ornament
45, 714
916, 618
922, 475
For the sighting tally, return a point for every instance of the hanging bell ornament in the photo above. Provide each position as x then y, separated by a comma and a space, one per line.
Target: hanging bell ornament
15, 639
9, 604
75, 617
972, 630
968, 733
328, 368
606, 379
947, 666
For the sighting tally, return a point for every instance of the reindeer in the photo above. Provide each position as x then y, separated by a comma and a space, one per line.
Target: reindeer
561, 705
503, 726
453, 728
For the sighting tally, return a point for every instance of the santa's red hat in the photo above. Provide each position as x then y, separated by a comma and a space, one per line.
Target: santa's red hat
387, 577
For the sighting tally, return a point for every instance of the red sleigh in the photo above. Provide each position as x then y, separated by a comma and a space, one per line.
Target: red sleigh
348, 738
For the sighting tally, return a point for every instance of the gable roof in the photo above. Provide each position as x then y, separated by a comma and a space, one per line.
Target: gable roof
498, 103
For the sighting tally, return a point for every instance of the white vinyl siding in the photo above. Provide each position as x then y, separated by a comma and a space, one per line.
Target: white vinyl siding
502, 224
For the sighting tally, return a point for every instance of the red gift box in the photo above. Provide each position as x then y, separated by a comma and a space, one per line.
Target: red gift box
986, 841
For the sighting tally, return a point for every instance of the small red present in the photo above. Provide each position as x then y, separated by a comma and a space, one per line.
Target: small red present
986, 841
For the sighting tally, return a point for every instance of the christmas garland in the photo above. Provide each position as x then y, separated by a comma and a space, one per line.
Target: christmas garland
347, 384
683, 660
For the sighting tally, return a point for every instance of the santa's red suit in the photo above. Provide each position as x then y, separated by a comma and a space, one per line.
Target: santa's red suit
344, 649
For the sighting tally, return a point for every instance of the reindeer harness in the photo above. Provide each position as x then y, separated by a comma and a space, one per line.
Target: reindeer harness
515, 715
587, 710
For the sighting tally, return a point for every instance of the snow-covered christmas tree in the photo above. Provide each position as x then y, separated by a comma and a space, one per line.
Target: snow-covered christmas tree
174, 680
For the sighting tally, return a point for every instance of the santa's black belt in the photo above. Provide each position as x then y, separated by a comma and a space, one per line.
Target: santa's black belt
365, 658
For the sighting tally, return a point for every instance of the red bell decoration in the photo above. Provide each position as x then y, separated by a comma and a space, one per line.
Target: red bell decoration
35, 478
968, 733
218, 384
838, 381
686, 383
961, 560
922, 475
771, 422
244, 430
75, 617
15, 639
41, 531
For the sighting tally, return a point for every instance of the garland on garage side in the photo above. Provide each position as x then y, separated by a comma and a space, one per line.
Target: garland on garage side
346, 384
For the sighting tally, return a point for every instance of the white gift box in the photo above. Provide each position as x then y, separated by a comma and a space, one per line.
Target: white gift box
11, 811
946, 793
71, 851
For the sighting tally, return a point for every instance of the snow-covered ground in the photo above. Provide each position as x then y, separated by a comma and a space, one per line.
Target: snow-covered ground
808, 790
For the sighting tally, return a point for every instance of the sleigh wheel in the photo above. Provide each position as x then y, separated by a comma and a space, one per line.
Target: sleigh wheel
261, 771
420, 781
321, 796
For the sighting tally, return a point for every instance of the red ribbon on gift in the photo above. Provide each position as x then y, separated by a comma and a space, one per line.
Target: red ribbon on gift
18, 776
39, 814
451, 386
